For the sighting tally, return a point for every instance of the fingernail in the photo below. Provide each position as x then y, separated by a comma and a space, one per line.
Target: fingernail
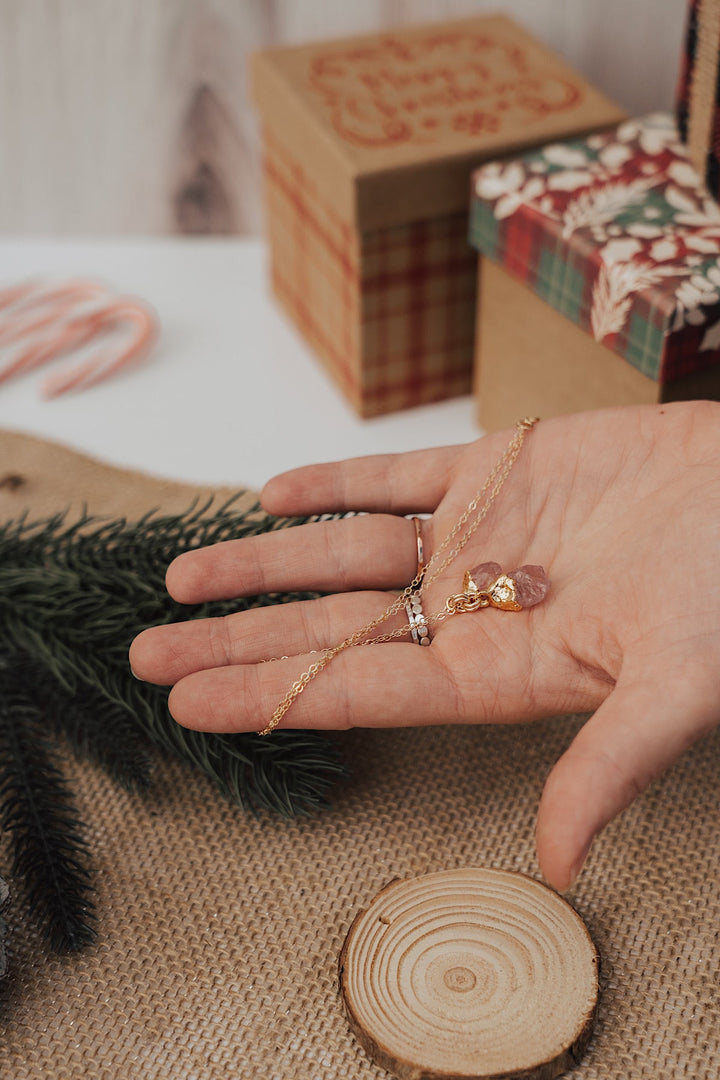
134, 674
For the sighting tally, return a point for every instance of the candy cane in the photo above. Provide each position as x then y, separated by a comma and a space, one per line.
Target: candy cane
55, 342
33, 308
52, 317
10, 296
103, 364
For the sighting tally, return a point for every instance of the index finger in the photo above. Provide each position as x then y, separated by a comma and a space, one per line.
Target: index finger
383, 483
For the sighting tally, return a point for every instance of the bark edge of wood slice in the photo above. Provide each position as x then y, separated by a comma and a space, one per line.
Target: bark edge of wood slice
470, 974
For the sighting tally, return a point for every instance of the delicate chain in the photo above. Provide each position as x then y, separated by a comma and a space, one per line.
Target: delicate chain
494, 483
488, 492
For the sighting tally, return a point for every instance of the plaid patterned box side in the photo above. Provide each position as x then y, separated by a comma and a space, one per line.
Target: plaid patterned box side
617, 233
390, 312
314, 266
418, 290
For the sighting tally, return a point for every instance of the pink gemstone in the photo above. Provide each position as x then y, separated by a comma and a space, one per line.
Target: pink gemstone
531, 585
486, 574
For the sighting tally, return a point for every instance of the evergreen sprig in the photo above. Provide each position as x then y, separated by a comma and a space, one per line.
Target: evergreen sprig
95, 728
73, 595
37, 809
4, 896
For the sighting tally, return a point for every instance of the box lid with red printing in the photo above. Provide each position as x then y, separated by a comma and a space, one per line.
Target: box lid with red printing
392, 124
619, 234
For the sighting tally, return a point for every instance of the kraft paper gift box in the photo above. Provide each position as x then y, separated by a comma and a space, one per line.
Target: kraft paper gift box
369, 145
599, 276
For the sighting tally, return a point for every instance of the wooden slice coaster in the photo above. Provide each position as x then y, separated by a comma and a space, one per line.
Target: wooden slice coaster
470, 974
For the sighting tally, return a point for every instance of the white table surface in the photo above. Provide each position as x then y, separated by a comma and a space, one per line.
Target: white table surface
230, 395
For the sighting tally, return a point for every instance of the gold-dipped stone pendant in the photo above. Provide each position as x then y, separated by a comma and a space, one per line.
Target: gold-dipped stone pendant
487, 586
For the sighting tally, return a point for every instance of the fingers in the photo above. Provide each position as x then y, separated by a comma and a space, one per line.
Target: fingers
377, 552
166, 654
386, 483
370, 686
640, 729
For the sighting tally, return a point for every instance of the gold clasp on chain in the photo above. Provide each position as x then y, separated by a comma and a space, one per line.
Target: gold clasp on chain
466, 601
470, 599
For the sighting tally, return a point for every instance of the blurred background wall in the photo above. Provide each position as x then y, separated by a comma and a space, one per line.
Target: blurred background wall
133, 116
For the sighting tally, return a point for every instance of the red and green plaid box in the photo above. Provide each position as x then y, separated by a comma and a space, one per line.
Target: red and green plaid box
618, 234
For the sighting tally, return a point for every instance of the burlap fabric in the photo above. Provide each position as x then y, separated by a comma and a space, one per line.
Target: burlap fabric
219, 932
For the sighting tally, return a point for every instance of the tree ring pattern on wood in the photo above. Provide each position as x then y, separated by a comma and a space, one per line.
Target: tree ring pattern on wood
471, 973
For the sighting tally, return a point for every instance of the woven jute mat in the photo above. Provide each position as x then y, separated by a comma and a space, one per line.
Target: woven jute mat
219, 932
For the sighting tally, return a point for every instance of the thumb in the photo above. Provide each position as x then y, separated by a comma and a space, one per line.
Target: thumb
641, 728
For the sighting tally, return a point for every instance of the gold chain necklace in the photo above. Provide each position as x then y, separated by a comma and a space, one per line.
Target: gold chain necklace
441, 559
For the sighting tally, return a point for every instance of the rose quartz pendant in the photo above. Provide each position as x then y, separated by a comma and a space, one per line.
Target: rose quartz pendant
531, 585
522, 588
485, 574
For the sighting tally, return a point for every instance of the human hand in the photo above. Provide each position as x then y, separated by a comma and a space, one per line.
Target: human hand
621, 507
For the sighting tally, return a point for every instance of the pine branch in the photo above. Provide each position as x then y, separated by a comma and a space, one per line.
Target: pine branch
280, 773
74, 596
4, 896
96, 729
50, 854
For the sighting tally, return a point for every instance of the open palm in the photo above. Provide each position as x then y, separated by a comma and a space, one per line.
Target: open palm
621, 507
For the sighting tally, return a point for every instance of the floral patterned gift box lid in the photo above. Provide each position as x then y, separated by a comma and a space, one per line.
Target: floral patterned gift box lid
616, 232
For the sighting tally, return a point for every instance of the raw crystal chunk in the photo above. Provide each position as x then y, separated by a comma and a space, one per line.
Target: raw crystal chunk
531, 585
485, 574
